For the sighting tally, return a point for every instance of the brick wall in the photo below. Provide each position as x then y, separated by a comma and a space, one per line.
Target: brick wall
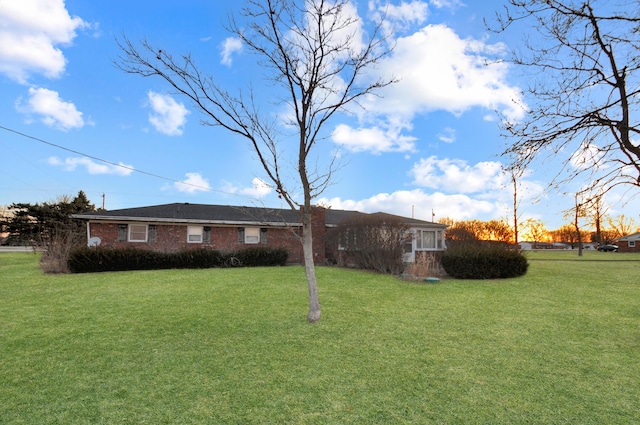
318, 229
173, 237
623, 246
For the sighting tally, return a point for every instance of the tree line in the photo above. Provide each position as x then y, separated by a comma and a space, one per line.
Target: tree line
608, 228
40, 224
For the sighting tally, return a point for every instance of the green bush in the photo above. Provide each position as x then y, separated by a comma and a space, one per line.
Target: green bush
258, 256
483, 261
100, 259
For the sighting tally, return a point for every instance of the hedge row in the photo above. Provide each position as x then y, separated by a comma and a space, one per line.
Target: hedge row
481, 261
89, 259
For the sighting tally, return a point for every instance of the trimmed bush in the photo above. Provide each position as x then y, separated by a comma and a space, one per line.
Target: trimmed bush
258, 256
99, 259
483, 261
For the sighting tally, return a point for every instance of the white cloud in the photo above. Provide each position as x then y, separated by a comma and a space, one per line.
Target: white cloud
54, 111
30, 34
448, 135
230, 46
399, 17
193, 183
168, 116
456, 175
446, 3
438, 70
419, 204
92, 167
374, 139
590, 156
259, 189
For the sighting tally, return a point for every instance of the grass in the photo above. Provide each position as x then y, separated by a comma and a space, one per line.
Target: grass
232, 346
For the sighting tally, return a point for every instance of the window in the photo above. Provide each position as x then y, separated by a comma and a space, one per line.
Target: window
632, 244
137, 233
206, 234
428, 239
194, 234
252, 235
123, 230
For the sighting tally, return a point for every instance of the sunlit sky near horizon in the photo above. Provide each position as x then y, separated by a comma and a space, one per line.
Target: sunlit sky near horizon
430, 144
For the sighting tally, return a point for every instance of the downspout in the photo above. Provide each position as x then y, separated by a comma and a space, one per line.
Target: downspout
88, 232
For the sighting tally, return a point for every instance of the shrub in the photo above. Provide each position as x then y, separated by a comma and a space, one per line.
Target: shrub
100, 259
483, 261
257, 256
425, 265
370, 242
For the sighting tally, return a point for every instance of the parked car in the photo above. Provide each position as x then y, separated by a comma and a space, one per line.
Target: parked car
608, 248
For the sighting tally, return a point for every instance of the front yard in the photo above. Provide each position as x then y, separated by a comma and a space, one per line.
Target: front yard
232, 346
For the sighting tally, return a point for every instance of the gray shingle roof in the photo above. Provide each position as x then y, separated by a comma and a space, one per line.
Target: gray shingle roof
225, 214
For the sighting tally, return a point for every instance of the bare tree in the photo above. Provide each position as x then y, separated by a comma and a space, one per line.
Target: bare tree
314, 51
581, 58
595, 210
535, 231
578, 212
515, 173
622, 225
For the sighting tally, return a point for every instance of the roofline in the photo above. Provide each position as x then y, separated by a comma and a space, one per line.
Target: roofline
184, 220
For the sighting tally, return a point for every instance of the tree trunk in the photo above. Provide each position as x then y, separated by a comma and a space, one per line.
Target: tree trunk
310, 269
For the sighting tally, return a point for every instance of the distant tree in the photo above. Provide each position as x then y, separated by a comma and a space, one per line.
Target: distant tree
607, 236
595, 210
581, 59
37, 224
372, 242
317, 53
476, 230
515, 173
498, 230
535, 231
464, 230
622, 225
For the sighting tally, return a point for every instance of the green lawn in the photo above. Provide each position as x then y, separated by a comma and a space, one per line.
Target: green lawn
559, 345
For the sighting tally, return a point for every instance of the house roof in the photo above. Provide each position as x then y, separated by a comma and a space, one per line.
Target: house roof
632, 237
228, 214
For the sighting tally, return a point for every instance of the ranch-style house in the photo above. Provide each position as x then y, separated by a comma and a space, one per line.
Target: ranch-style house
179, 226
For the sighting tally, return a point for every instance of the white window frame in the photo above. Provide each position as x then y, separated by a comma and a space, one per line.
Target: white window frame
252, 235
632, 244
437, 241
194, 234
136, 229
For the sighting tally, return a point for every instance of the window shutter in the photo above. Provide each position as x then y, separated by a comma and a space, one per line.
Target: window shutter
240, 234
206, 234
263, 235
122, 232
153, 232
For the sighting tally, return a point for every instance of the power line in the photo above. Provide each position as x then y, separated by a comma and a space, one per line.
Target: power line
112, 163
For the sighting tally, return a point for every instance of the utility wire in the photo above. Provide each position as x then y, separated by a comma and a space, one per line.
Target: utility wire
110, 162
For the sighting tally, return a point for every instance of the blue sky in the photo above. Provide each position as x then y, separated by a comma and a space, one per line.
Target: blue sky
430, 143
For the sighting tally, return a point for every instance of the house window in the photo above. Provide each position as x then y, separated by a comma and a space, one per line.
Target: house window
632, 244
138, 233
428, 239
252, 235
123, 230
206, 234
194, 234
